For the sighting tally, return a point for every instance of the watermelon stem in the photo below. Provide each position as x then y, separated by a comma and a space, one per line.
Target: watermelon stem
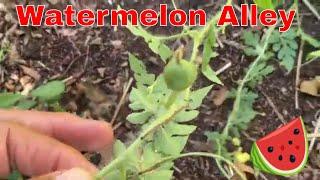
236, 106
194, 154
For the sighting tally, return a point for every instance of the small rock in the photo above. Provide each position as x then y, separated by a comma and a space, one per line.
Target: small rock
101, 71
53, 2
67, 32
96, 41
117, 44
284, 90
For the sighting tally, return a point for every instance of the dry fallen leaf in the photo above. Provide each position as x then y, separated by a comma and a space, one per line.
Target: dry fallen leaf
27, 88
14, 54
220, 96
92, 92
31, 72
25, 80
9, 85
244, 168
311, 87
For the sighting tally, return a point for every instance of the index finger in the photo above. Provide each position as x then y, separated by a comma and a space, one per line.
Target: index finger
85, 135
33, 154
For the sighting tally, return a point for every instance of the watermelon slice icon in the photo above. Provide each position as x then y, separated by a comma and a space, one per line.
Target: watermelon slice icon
283, 152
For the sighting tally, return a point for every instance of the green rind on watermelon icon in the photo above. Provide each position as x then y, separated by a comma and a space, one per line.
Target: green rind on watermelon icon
283, 152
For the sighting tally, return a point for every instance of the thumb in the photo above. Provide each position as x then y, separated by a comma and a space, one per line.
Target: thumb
75, 173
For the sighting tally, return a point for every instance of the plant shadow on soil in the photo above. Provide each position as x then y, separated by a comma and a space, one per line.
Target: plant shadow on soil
99, 56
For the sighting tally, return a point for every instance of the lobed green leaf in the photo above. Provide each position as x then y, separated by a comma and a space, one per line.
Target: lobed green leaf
158, 175
264, 4
140, 73
313, 55
179, 129
139, 118
8, 100
49, 92
26, 104
186, 116
198, 96
155, 44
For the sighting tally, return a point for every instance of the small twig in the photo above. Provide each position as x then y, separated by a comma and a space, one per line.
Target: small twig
44, 66
177, 169
299, 63
312, 9
115, 127
233, 44
219, 42
124, 95
298, 74
72, 63
68, 79
249, 137
275, 109
87, 58
315, 132
263, 176
309, 62
1, 75
174, 4
224, 68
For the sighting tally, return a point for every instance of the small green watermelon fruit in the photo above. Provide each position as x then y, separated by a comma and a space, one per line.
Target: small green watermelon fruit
283, 152
180, 74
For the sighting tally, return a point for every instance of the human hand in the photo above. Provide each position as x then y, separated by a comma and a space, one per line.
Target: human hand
48, 144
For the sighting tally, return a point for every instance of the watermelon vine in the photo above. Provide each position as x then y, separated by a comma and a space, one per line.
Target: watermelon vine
282, 47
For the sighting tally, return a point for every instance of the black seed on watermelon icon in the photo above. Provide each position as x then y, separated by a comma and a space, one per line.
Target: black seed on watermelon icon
292, 158
283, 152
